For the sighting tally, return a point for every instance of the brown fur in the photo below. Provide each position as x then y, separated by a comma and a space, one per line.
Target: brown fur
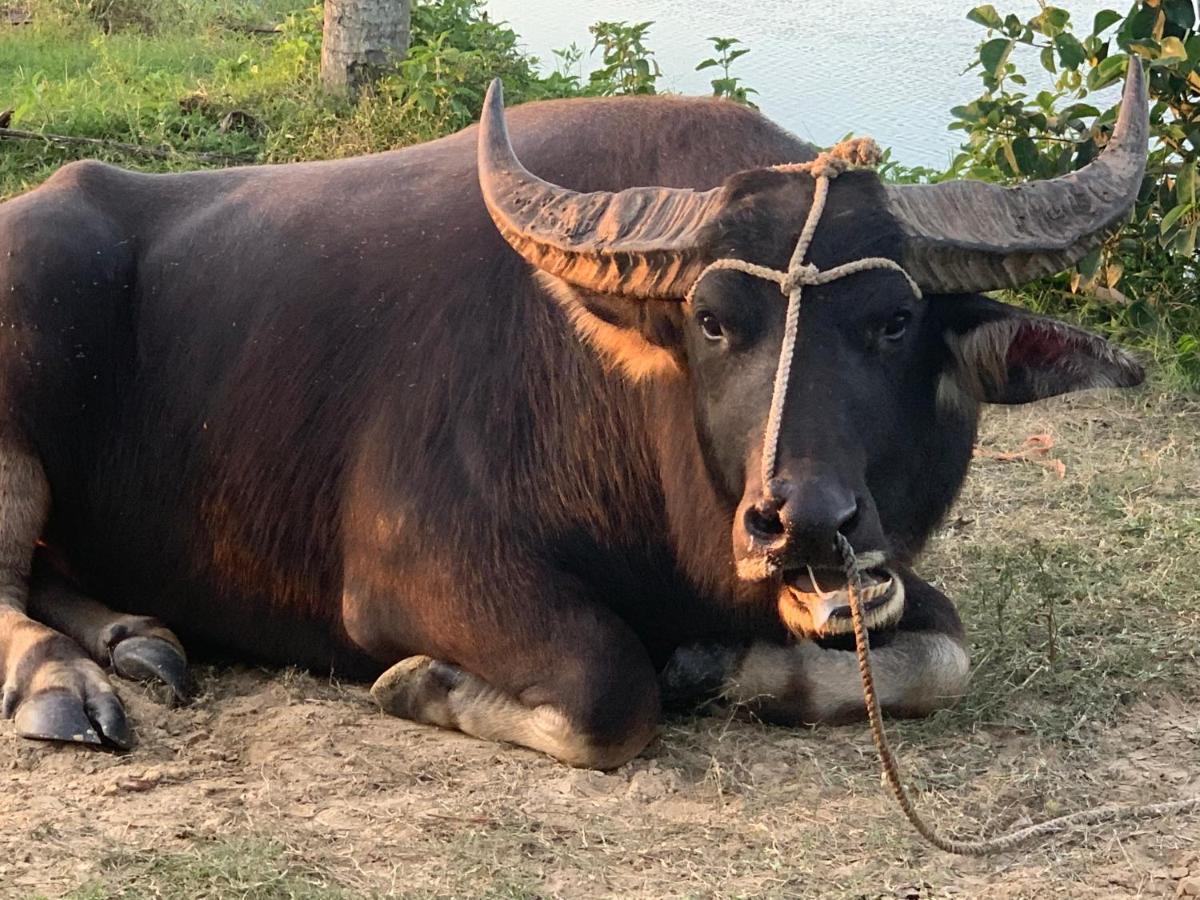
622, 349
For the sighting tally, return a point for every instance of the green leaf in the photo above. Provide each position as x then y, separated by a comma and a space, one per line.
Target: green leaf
1185, 184
1169, 220
1140, 24
706, 64
1079, 111
986, 15
1051, 21
1180, 12
1070, 52
1172, 48
994, 54
1185, 242
1108, 71
1047, 56
1089, 265
1026, 153
1105, 19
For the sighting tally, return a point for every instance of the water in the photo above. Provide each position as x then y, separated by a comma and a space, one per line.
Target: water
891, 69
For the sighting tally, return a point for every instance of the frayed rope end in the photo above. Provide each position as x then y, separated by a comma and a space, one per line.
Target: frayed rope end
852, 153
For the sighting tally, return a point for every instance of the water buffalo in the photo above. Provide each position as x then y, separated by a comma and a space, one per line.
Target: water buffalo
424, 412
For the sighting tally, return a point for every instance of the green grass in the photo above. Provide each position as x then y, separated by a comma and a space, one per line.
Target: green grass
166, 74
243, 869
168, 87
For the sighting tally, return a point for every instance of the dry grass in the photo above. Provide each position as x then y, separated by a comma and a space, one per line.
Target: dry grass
1084, 622
1080, 592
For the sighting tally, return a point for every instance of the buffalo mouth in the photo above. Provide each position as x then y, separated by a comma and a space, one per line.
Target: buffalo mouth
818, 604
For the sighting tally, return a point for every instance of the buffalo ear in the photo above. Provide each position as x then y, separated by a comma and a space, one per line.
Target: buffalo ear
639, 338
1005, 355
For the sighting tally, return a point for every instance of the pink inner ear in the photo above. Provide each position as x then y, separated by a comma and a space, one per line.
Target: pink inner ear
1035, 347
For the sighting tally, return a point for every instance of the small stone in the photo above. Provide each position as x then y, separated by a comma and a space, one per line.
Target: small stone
1179, 872
1188, 887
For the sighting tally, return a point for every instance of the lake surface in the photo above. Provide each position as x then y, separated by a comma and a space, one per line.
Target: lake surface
888, 68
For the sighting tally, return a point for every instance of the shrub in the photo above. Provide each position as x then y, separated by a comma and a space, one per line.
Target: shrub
727, 85
1143, 284
628, 66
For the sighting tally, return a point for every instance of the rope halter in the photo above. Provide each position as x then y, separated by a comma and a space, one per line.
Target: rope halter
852, 153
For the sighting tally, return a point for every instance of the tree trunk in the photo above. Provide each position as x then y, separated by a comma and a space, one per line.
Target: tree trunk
362, 40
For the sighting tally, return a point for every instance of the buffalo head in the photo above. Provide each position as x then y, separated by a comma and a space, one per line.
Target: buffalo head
881, 401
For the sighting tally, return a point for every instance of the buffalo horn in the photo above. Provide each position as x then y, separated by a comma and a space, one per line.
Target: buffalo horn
973, 236
640, 242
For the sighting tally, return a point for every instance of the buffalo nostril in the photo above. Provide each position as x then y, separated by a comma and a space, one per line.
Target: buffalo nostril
763, 521
848, 520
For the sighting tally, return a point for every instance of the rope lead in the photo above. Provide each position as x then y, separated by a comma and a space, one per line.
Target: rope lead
891, 771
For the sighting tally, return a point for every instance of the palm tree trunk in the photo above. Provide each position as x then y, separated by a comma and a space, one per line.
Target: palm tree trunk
362, 40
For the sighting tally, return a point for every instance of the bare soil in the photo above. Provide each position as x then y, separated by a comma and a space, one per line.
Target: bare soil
1085, 623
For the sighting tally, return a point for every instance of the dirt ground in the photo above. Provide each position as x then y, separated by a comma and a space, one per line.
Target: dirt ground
1085, 622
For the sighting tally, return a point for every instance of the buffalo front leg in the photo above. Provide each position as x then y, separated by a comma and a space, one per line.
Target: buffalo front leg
438, 693
49, 686
139, 648
922, 667
550, 672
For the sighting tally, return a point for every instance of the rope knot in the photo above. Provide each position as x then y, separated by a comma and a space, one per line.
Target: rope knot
861, 152
797, 277
852, 153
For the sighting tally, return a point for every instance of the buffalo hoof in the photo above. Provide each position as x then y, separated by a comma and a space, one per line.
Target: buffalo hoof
152, 659
61, 715
695, 675
417, 688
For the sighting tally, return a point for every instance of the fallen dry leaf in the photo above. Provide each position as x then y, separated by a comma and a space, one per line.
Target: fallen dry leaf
1035, 449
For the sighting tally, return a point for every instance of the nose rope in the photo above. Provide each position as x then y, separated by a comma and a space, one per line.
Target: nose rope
848, 154
891, 771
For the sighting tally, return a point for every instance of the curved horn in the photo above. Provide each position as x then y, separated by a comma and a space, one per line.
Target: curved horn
974, 236
642, 242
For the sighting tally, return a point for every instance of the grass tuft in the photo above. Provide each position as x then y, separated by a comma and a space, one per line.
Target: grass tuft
245, 869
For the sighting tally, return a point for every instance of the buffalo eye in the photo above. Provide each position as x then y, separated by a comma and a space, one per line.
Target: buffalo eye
897, 325
711, 326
